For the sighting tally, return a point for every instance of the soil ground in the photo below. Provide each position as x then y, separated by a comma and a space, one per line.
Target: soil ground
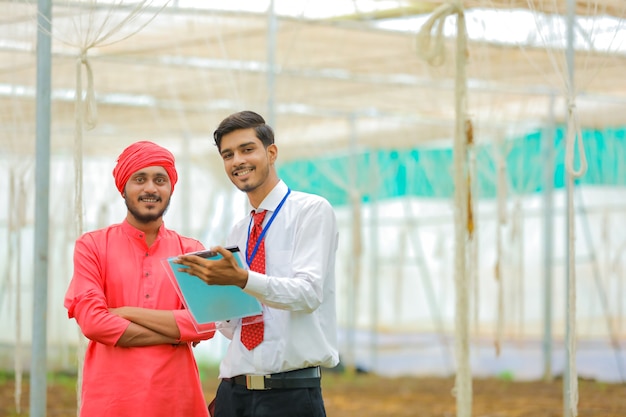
369, 395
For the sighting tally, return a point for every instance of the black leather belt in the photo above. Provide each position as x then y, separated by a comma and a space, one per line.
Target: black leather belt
299, 378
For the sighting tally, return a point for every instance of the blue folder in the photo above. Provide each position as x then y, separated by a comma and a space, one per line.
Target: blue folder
211, 303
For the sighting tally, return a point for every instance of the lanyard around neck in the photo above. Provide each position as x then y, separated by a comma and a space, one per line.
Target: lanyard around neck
250, 257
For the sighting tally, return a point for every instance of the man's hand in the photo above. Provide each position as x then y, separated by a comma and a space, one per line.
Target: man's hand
223, 271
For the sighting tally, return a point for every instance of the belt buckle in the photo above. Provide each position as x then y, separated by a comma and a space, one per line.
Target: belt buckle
255, 382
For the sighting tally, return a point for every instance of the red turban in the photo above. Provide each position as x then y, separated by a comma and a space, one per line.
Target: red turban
141, 155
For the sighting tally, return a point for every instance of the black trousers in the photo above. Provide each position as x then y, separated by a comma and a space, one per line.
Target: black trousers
233, 400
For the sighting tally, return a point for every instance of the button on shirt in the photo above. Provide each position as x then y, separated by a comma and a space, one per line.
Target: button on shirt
297, 291
113, 267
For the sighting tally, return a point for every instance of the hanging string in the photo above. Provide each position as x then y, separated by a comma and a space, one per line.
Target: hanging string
90, 114
16, 222
517, 239
430, 39
571, 318
574, 139
78, 147
463, 380
473, 258
502, 219
430, 47
15, 232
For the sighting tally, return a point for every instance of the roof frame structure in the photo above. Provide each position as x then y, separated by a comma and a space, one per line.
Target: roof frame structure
190, 67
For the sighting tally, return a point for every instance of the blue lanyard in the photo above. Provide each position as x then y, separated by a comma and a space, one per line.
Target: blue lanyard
250, 257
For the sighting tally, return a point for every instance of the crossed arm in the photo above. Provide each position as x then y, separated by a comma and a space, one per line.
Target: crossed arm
126, 326
148, 327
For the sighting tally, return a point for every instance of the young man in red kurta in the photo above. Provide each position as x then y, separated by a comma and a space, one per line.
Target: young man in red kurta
139, 361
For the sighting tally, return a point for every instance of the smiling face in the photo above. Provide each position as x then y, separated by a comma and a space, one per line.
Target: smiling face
248, 164
147, 195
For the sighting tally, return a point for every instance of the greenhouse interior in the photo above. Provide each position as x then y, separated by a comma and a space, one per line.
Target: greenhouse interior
474, 153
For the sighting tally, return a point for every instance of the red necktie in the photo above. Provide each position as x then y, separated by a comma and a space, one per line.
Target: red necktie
252, 329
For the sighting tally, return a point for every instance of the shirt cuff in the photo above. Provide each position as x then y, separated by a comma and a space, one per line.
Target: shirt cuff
257, 283
185, 325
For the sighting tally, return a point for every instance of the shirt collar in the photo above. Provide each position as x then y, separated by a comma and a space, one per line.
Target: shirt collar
132, 231
273, 199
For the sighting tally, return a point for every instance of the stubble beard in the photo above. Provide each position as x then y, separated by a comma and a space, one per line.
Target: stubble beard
146, 218
249, 187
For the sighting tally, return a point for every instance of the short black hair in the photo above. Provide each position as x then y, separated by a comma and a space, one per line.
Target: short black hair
244, 120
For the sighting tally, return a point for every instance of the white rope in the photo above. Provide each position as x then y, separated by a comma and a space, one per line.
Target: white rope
517, 237
502, 219
430, 47
473, 250
90, 113
571, 318
570, 343
574, 137
78, 145
463, 379
17, 202
14, 231
502, 190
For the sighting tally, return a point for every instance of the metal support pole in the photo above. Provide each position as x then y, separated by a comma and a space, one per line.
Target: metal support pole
42, 190
569, 185
186, 186
547, 144
355, 270
374, 263
271, 64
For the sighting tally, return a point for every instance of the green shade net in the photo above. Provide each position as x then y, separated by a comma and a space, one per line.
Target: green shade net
427, 173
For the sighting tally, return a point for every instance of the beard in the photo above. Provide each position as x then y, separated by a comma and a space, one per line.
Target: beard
251, 186
246, 188
145, 217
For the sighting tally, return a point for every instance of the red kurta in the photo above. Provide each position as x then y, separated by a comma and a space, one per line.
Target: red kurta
113, 267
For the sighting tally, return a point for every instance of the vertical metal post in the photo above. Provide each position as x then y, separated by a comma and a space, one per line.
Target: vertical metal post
42, 190
547, 145
373, 257
569, 185
271, 64
185, 169
355, 270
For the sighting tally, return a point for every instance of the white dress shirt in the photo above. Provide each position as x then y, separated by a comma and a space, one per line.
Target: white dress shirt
297, 291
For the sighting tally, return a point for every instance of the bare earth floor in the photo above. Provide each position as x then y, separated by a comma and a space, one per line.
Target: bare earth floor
368, 395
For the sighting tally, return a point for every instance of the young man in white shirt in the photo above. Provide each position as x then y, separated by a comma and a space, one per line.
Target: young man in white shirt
296, 283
